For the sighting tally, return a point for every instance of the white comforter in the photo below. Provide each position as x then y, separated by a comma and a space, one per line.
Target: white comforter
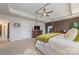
60, 39
62, 45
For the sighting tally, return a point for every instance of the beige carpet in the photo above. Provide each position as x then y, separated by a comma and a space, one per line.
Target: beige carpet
19, 47
3, 40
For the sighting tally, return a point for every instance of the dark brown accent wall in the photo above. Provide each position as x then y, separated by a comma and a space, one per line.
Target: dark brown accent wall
59, 26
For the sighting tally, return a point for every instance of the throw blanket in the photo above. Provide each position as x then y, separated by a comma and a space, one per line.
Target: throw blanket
46, 37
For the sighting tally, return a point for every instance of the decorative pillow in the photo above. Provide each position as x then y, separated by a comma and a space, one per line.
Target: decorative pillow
77, 38
71, 34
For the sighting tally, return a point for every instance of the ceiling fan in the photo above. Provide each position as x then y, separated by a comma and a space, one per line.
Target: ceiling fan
44, 12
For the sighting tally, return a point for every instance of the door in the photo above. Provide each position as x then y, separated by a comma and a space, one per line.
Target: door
50, 29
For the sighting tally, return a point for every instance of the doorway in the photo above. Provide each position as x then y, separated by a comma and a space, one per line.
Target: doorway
4, 32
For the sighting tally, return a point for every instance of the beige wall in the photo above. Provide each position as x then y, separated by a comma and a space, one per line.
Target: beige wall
25, 29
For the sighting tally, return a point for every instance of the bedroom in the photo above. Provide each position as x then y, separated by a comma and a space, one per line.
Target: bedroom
27, 23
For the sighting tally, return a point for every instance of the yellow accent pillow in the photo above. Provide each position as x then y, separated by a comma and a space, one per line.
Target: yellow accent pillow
46, 37
71, 34
77, 38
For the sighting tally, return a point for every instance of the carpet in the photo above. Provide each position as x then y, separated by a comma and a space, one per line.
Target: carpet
30, 52
19, 47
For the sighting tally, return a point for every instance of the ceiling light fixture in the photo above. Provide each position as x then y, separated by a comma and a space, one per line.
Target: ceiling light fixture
43, 11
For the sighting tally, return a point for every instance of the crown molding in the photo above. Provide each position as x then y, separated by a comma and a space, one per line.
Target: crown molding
25, 15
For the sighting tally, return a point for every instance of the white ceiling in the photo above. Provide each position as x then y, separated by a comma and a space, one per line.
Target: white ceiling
27, 7
59, 9
3, 8
28, 10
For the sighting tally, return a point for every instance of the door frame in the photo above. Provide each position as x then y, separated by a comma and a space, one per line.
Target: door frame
8, 32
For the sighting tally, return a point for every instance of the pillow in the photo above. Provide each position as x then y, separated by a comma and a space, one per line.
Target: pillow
77, 38
71, 34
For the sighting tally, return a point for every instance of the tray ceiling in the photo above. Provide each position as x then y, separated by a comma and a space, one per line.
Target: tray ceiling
28, 10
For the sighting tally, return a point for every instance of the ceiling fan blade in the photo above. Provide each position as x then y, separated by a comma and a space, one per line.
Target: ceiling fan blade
47, 15
49, 12
38, 13
44, 10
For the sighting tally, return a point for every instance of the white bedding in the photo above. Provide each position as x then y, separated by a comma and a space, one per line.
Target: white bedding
61, 45
45, 49
60, 39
